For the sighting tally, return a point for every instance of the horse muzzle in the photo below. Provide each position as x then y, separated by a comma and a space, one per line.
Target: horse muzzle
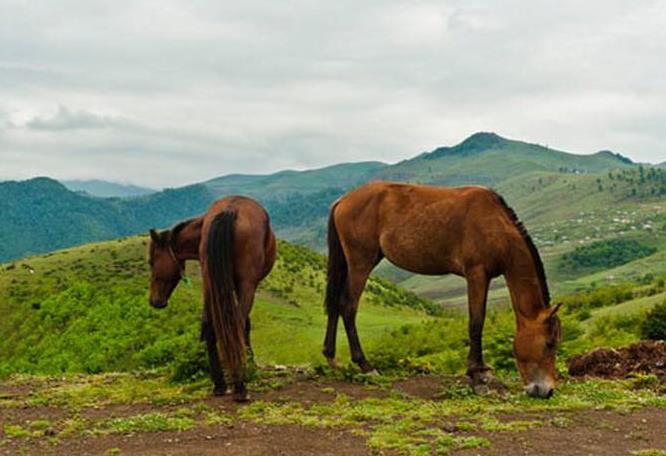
158, 304
543, 390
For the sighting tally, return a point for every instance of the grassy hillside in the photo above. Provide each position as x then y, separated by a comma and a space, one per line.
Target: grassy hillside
86, 310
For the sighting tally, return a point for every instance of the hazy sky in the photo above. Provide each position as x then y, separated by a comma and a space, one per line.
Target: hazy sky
164, 93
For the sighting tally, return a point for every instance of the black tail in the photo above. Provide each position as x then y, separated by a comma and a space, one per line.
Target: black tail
222, 302
336, 288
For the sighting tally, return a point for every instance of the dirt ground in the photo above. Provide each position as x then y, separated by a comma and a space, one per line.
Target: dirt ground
644, 357
589, 432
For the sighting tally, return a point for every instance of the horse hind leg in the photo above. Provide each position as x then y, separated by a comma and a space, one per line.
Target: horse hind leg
246, 293
215, 368
358, 276
329, 340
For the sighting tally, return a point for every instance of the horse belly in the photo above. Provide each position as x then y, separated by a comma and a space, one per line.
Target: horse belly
416, 253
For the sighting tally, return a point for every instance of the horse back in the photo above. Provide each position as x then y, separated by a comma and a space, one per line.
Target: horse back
253, 238
425, 229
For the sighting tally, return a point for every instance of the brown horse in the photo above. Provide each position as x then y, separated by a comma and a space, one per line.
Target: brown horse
236, 247
467, 231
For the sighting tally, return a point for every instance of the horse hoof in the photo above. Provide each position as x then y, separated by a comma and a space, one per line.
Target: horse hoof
367, 368
241, 397
332, 363
219, 391
481, 389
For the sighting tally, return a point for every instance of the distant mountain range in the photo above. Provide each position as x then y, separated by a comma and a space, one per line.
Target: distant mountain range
41, 214
105, 189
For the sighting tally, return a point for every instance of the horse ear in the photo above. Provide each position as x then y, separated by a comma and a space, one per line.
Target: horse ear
553, 310
154, 236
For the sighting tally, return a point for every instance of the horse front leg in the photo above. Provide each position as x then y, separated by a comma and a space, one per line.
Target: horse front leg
215, 368
477, 294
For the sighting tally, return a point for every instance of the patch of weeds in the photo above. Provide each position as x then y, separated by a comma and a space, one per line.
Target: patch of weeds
40, 425
466, 426
217, 417
492, 424
352, 374
649, 452
10, 403
16, 431
644, 381
98, 390
391, 423
267, 380
114, 450
150, 422
398, 437
73, 425
465, 443
561, 422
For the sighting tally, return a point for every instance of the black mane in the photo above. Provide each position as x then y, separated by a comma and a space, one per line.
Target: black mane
538, 264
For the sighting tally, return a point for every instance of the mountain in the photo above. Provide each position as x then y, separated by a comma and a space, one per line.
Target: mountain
85, 310
40, 215
105, 189
488, 159
286, 183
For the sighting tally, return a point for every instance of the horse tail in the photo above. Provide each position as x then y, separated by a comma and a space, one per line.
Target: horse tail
336, 287
222, 300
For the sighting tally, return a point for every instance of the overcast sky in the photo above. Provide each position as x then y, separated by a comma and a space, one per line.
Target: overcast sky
164, 93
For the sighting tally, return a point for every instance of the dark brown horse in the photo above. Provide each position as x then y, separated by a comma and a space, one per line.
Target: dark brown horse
236, 248
467, 231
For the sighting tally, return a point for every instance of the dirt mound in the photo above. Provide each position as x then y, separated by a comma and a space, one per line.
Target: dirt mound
648, 357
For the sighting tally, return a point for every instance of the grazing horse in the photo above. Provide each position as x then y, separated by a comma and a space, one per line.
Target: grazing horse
235, 245
467, 231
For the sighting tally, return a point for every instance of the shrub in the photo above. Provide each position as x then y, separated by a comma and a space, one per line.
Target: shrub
604, 254
654, 325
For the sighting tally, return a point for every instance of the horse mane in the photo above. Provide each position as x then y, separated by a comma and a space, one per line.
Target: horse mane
536, 258
175, 231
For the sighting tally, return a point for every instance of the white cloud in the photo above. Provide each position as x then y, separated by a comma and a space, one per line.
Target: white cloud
66, 119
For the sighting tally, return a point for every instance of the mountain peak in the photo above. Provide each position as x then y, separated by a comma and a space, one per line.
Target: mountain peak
478, 142
482, 139
42, 183
616, 156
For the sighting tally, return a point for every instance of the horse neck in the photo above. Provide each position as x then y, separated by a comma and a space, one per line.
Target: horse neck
527, 296
186, 243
